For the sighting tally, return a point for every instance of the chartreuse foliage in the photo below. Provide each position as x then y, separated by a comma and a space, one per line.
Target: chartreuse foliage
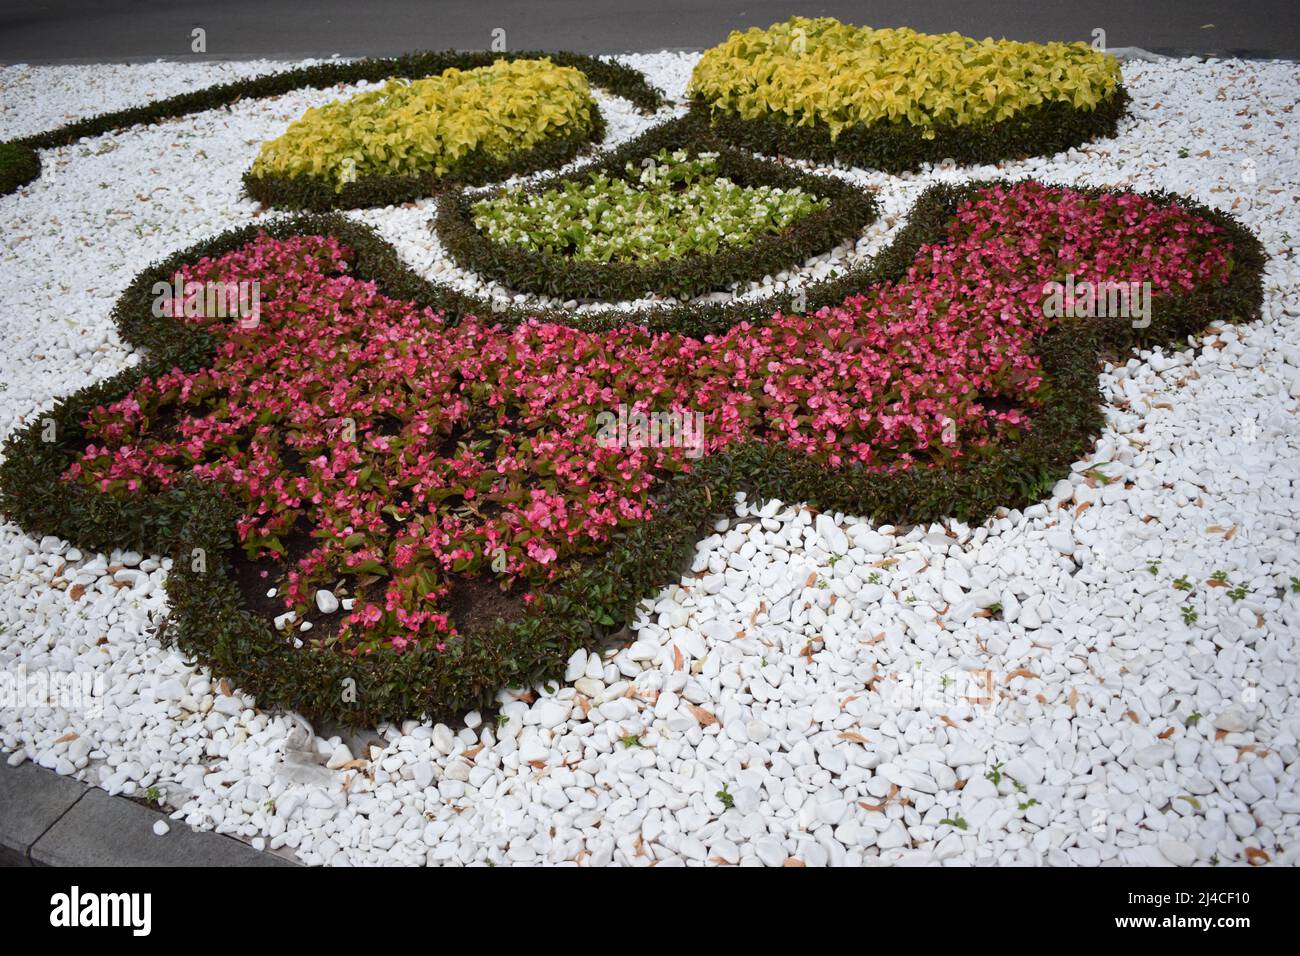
827, 72
433, 125
896, 99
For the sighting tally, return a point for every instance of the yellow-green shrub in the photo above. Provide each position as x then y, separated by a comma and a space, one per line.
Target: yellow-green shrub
431, 125
813, 71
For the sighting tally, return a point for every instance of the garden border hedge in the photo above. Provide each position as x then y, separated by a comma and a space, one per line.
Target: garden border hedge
542, 273
616, 78
209, 623
901, 147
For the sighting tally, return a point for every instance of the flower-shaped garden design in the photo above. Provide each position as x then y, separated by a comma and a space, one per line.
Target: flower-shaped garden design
385, 500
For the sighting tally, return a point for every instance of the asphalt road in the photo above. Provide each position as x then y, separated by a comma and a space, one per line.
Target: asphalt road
52, 31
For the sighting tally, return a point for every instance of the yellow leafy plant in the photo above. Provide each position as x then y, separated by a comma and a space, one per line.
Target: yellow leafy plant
434, 124
822, 71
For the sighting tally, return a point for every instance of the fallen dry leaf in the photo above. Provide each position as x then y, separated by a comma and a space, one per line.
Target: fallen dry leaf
705, 718
854, 737
1256, 856
70, 735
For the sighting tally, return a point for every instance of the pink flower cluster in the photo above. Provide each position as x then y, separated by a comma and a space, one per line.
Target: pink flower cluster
408, 451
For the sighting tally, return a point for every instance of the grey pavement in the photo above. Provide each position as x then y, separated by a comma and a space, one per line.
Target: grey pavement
43, 31
49, 820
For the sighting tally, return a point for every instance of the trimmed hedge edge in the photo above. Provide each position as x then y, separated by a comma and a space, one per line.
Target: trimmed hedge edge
620, 80
900, 147
19, 165
850, 211
209, 623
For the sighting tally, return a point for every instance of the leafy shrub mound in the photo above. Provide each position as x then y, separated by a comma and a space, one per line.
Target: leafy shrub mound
435, 126
674, 205
671, 213
407, 459
895, 98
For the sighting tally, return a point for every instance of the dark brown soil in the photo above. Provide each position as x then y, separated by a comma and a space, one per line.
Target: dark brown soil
474, 603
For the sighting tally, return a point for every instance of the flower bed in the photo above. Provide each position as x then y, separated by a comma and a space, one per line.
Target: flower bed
676, 205
916, 398
687, 240
20, 162
513, 114
894, 99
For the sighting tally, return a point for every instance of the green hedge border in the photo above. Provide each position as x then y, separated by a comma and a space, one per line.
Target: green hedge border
901, 147
622, 81
851, 210
209, 623
19, 165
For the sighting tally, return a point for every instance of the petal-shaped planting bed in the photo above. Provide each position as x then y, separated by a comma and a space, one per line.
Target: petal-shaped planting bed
410, 139
486, 493
20, 162
732, 252
896, 99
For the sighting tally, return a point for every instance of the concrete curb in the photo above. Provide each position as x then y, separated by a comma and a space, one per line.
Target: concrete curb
50, 820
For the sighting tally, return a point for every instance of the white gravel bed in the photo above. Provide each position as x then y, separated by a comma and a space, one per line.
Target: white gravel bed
818, 690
